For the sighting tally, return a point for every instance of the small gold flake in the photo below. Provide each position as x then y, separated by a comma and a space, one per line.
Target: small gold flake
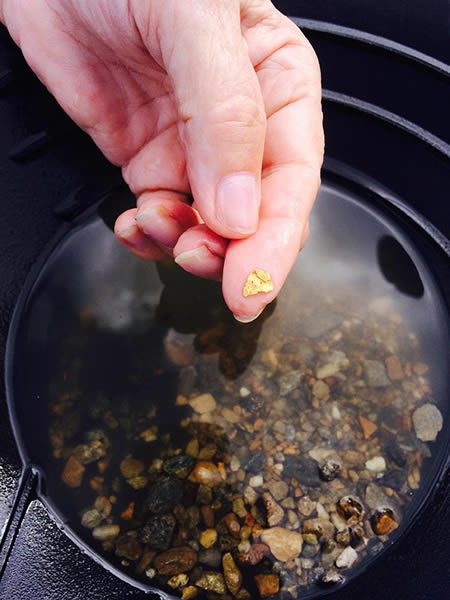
258, 281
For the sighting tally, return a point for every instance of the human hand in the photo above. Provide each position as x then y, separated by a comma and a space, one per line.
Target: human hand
215, 98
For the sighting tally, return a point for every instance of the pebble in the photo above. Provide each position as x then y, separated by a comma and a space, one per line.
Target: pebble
321, 390
303, 469
205, 403
375, 373
164, 495
180, 465
284, 544
346, 558
256, 463
330, 468
232, 574
290, 381
351, 509
139, 482
150, 573
332, 578
210, 557
322, 528
212, 582
306, 506
192, 448
158, 531
368, 427
278, 489
427, 420
106, 532
73, 472
239, 507
235, 464
189, 592
230, 416
327, 370
256, 481
208, 538
376, 464
131, 467
376, 498
267, 585
128, 546
275, 514
206, 473
383, 522
394, 368
254, 554
91, 517
232, 524
178, 581
175, 561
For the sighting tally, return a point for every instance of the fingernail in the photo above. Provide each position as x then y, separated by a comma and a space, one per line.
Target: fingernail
162, 227
247, 319
127, 232
192, 257
237, 203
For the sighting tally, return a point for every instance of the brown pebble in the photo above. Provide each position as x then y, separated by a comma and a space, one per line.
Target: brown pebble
267, 585
232, 524
233, 576
131, 467
367, 426
128, 512
73, 472
254, 555
145, 561
394, 368
207, 515
208, 538
189, 592
275, 514
383, 522
175, 561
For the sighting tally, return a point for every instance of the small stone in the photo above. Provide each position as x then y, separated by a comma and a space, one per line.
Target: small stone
189, 592
207, 515
256, 481
158, 531
91, 517
73, 472
131, 467
394, 368
206, 473
322, 528
346, 558
284, 544
256, 463
303, 469
175, 561
139, 482
204, 495
210, 557
180, 465
332, 578
275, 514
250, 495
368, 427
383, 522
327, 370
375, 373
267, 585
330, 468
178, 581
320, 390
145, 561
205, 403
351, 509
208, 538
306, 506
230, 416
289, 382
232, 574
89, 453
235, 464
232, 524
150, 573
239, 507
106, 532
128, 546
343, 538
427, 420
254, 554
212, 582
243, 594
376, 464
179, 348
192, 448
278, 489
164, 495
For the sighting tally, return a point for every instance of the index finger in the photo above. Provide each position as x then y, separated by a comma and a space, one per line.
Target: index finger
290, 83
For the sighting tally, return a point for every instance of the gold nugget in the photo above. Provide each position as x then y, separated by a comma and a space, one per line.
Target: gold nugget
258, 281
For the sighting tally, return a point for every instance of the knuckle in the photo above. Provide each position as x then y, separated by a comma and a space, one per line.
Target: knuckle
238, 117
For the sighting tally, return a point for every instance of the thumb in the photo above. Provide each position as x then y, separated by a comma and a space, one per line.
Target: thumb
221, 115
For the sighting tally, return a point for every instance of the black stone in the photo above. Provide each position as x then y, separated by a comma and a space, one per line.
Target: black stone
329, 469
158, 531
164, 495
394, 479
303, 469
255, 463
396, 454
180, 465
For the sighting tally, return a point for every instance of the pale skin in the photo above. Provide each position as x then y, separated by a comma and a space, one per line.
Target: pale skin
218, 100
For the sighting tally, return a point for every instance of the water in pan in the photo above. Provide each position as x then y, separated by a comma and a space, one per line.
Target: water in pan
203, 456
